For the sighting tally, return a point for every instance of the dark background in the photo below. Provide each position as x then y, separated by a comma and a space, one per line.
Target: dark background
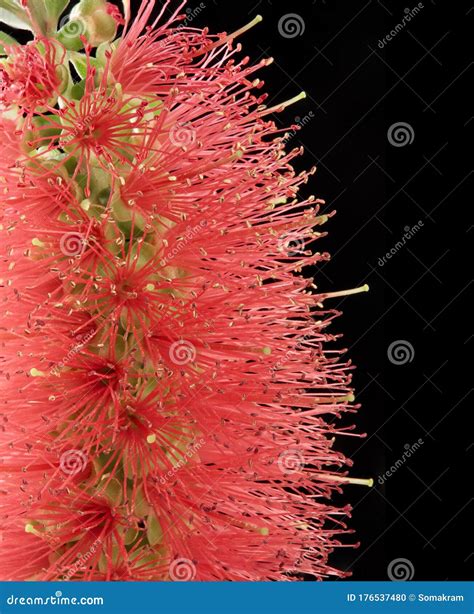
356, 91
357, 88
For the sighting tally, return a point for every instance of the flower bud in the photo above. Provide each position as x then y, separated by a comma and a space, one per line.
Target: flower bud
91, 19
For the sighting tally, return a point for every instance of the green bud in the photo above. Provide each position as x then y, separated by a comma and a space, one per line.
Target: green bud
101, 27
87, 7
70, 34
105, 28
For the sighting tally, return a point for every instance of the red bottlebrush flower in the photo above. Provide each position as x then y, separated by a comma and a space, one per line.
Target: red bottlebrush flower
10, 147
31, 76
103, 129
169, 390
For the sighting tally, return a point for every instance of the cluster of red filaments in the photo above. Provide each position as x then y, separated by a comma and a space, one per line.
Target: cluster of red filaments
169, 391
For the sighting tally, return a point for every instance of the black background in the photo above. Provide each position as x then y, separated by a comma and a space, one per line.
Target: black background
356, 90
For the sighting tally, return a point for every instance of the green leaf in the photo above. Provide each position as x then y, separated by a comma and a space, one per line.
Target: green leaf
46, 13
79, 62
6, 39
14, 15
38, 14
113, 491
78, 89
130, 536
44, 123
54, 10
142, 506
154, 531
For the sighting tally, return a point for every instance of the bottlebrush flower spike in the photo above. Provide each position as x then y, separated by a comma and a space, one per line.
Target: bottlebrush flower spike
169, 391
